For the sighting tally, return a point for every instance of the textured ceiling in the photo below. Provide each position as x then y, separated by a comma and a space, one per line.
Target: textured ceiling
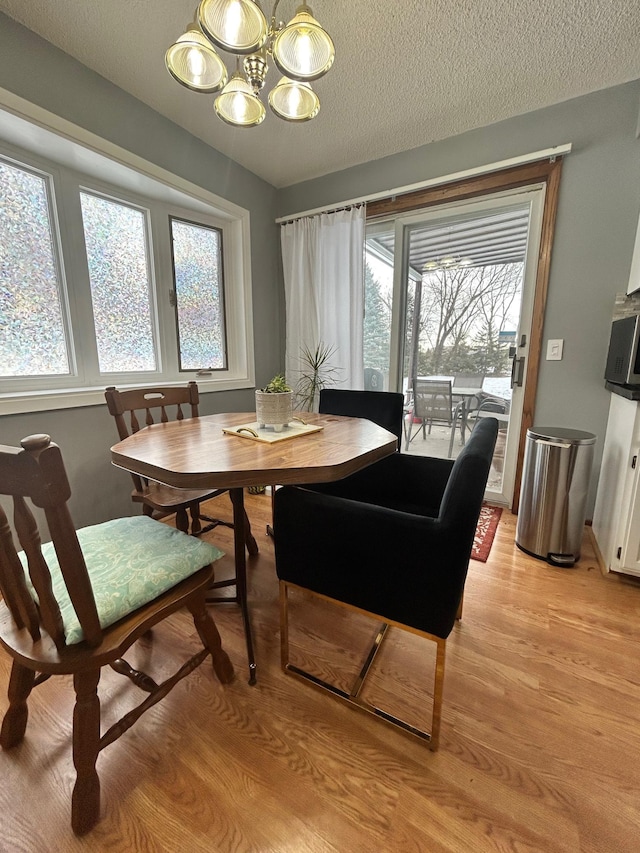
407, 72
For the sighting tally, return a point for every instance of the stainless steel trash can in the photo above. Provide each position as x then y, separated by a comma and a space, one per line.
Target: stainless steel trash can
555, 484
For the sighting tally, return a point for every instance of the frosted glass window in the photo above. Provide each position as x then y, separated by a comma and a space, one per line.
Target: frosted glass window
116, 240
198, 279
32, 329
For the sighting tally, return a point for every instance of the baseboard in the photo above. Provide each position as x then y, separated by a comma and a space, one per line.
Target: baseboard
596, 550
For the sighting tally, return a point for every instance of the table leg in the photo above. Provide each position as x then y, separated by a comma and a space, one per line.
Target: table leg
270, 526
459, 412
239, 538
463, 420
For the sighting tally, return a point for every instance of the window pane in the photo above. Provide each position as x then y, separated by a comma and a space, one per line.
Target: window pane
116, 240
32, 334
378, 298
197, 268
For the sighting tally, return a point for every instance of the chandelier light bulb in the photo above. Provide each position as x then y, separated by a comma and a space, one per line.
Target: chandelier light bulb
448, 262
238, 26
303, 50
196, 64
237, 105
294, 101
193, 62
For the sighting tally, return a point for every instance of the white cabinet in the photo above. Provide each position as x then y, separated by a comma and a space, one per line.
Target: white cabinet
616, 518
634, 274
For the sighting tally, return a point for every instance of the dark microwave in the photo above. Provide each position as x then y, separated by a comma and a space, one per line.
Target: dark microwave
623, 360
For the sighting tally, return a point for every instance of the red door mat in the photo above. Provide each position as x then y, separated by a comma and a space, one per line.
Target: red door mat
485, 532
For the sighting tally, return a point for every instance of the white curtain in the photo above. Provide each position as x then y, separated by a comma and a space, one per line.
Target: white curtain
323, 264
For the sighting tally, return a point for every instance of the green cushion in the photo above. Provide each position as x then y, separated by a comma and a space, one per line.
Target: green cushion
130, 562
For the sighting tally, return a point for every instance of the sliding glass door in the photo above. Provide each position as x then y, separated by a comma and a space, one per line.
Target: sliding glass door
448, 305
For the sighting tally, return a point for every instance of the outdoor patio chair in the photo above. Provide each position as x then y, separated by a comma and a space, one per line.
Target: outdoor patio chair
498, 408
392, 541
432, 403
465, 403
492, 407
468, 381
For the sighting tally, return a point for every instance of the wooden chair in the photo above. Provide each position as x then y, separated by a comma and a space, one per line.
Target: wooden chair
157, 499
61, 614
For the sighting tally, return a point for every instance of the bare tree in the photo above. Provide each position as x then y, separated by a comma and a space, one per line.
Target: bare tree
449, 307
495, 308
457, 301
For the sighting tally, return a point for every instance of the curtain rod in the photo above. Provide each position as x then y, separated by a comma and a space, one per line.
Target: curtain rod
551, 153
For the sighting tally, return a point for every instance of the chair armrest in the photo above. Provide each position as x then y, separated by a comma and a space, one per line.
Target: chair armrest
412, 484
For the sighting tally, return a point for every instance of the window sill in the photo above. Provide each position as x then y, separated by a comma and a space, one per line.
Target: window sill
71, 398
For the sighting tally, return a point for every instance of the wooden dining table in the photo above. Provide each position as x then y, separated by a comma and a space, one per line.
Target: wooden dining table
196, 453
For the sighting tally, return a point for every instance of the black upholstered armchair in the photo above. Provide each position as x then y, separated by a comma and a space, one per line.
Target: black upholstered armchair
396, 542
385, 408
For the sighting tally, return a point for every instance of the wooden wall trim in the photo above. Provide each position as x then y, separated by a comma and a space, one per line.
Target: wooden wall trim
537, 323
466, 188
544, 171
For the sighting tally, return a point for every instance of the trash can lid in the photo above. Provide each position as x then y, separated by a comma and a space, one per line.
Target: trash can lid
571, 436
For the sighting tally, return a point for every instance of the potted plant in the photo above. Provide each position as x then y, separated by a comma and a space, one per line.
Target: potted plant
274, 404
316, 373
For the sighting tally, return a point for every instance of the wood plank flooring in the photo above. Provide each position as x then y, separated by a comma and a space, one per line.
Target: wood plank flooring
539, 748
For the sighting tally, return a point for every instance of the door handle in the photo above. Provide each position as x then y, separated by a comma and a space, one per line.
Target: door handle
517, 371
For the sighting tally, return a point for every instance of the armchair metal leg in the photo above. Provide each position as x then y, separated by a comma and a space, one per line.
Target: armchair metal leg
353, 696
459, 612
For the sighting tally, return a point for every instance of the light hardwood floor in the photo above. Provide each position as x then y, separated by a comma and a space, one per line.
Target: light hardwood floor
539, 747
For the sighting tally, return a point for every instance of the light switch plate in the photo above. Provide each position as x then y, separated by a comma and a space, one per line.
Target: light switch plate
554, 349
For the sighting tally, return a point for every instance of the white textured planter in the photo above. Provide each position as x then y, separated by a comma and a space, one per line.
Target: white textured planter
275, 410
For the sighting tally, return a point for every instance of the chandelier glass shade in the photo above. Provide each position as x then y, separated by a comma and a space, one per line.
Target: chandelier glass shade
294, 101
194, 63
301, 50
238, 105
238, 26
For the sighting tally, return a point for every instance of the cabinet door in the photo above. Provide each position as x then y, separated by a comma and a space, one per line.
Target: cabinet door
630, 557
634, 274
613, 499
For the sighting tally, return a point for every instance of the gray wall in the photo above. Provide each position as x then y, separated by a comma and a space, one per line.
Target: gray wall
597, 218
35, 70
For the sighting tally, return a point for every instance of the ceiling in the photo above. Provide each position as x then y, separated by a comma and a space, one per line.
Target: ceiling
407, 72
498, 237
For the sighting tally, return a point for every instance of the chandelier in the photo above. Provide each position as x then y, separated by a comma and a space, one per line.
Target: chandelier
301, 50
448, 262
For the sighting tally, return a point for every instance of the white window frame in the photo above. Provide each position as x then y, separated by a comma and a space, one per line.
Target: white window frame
122, 176
173, 216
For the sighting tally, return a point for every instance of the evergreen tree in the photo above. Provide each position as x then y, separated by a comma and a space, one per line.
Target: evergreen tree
377, 323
